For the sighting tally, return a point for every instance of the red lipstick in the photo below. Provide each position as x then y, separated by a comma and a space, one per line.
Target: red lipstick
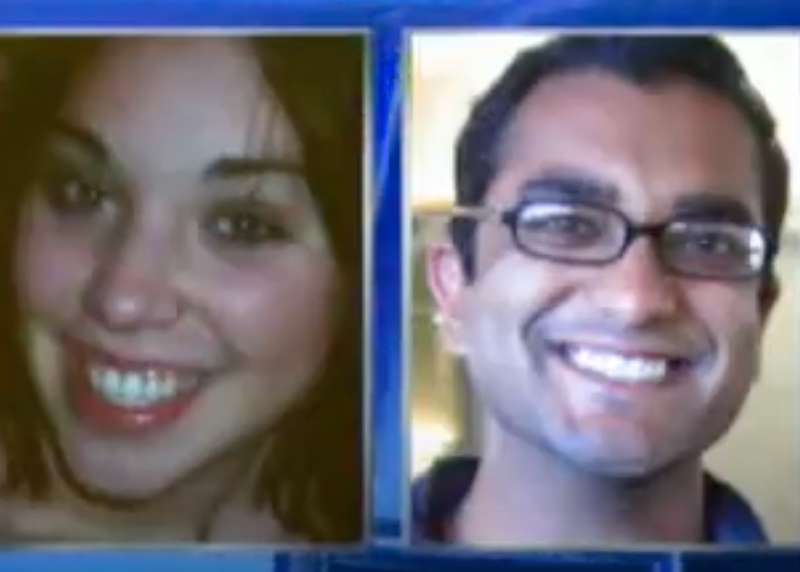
122, 396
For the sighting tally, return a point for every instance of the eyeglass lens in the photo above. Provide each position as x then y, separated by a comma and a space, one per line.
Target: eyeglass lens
578, 233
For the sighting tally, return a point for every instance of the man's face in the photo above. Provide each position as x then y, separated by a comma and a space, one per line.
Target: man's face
547, 344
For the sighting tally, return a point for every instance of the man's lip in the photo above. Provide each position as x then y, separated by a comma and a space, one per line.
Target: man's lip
630, 350
128, 362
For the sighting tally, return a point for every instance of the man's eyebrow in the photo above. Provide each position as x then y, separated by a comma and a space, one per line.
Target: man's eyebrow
83, 136
571, 184
232, 167
712, 206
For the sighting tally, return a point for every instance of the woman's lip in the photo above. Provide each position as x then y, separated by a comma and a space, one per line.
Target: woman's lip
97, 412
112, 359
106, 415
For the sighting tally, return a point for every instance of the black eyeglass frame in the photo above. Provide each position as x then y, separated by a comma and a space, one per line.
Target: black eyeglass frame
509, 217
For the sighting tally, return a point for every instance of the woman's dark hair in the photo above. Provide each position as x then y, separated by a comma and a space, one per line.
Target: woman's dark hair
313, 477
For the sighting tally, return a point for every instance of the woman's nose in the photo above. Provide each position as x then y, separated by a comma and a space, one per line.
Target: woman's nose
133, 286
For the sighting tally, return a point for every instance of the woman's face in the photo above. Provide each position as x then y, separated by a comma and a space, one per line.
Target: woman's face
176, 277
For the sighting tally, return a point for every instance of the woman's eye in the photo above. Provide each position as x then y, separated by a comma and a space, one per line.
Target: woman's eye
74, 196
246, 228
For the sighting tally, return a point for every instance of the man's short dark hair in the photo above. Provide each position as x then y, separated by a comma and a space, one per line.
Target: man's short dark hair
643, 60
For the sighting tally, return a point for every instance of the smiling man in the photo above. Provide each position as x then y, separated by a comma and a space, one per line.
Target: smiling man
607, 285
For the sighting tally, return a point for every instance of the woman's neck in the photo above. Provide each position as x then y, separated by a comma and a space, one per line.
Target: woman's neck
186, 512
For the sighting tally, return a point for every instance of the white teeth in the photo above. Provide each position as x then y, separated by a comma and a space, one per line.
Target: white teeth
618, 367
152, 389
137, 389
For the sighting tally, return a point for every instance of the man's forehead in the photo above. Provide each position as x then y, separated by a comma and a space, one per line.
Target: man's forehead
672, 134
604, 98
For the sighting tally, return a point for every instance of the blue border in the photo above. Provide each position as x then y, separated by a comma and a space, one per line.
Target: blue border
387, 374
743, 562
399, 13
387, 19
139, 560
397, 560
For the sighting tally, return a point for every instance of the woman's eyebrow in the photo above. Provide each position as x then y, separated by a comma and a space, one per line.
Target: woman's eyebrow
84, 137
234, 167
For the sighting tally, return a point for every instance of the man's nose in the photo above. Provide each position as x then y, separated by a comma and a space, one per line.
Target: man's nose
133, 286
635, 289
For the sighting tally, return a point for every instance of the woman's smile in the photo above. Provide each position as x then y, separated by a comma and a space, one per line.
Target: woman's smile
127, 395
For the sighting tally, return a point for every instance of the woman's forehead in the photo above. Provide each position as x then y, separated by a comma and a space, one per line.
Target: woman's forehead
190, 99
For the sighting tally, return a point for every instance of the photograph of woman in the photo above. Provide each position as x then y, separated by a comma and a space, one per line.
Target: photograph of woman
182, 242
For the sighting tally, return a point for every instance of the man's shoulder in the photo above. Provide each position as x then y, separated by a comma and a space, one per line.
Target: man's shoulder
730, 518
439, 492
437, 495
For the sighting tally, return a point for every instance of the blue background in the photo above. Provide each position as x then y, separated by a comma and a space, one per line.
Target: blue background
386, 20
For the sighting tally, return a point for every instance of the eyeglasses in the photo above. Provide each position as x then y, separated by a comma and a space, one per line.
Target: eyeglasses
583, 233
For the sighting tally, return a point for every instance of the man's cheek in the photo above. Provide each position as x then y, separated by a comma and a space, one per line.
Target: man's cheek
492, 344
738, 334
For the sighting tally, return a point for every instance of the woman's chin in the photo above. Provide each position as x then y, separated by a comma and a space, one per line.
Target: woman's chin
98, 479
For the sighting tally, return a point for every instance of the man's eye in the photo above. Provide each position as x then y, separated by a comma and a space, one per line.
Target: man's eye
245, 228
561, 225
571, 225
714, 244
716, 247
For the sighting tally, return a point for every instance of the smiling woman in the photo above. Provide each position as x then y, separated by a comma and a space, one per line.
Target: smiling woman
183, 221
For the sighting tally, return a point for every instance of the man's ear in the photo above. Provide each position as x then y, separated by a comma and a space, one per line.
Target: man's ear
446, 283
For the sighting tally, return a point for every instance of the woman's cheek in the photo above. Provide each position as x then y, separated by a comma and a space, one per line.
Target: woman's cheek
283, 315
52, 269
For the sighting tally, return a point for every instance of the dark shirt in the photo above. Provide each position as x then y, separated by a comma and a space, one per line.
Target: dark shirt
437, 496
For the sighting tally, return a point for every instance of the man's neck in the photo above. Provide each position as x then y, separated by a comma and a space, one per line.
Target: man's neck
536, 499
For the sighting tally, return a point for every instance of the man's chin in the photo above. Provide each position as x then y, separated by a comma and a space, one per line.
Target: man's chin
613, 463
628, 470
